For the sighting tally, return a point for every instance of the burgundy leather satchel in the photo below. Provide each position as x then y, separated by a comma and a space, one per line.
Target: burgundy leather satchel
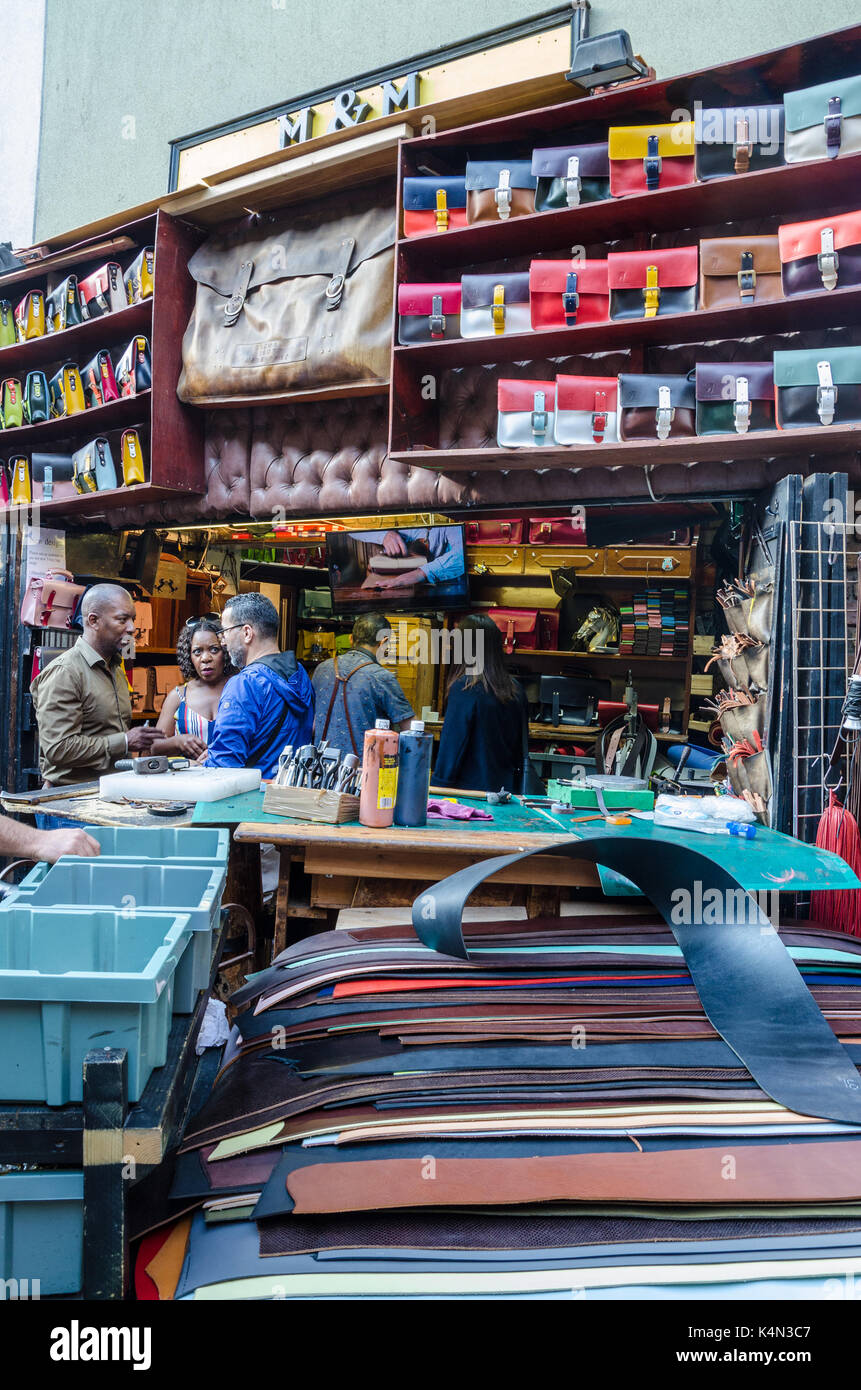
557, 530
494, 532
519, 628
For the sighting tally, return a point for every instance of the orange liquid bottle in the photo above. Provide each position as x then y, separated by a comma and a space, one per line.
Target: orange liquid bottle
379, 775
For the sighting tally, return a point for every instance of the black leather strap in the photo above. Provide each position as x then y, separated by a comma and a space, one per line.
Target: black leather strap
746, 276
570, 299
652, 163
749, 986
833, 127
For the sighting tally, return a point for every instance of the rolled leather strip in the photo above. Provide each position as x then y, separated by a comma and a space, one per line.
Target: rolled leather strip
750, 989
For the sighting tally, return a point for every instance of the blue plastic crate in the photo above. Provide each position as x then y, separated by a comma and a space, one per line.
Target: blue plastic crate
41, 1232
74, 981
167, 843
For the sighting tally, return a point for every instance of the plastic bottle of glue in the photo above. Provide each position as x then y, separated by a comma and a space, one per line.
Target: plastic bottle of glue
379, 785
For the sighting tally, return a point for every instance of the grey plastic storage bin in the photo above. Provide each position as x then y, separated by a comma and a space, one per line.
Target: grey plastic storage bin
74, 981
41, 1232
133, 887
195, 845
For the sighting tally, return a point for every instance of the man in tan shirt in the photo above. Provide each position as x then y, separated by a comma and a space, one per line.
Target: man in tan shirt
82, 699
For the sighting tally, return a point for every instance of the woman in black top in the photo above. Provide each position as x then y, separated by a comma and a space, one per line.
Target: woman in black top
481, 744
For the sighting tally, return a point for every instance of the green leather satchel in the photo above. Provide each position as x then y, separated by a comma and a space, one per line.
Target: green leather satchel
821, 386
8, 336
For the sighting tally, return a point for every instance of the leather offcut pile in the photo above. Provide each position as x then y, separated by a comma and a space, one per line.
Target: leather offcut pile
553, 1114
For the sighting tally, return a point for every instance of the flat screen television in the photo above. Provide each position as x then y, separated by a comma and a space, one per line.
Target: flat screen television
414, 568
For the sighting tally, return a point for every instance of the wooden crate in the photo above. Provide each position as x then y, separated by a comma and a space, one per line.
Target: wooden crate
308, 803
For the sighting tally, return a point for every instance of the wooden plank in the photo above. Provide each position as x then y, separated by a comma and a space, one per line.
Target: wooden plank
93, 811
282, 900
463, 839
105, 1260
432, 866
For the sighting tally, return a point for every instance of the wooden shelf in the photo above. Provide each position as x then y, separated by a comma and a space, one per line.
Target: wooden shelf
77, 344
85, 425
633, 660
832, 440
568, 731
820, 309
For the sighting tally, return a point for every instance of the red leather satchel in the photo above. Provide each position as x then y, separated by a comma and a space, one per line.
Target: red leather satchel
644, 284
644, 158
548, 629
494, 532
563, 294
519, 628
428, 312
608, 710
557, 530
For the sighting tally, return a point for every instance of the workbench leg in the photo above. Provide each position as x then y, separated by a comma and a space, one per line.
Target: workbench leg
105, 1264
542, 900
282, 899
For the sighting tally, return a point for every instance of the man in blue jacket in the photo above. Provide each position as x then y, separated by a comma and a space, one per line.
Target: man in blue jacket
270, 702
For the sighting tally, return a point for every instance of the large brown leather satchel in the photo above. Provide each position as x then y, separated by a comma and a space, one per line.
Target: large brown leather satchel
294, 302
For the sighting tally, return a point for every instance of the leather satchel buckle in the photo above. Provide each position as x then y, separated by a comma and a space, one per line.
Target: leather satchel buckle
652, 164
741, 405
497, 309
502, 195
747, 277
827, 260
539, 419
834, 127
335, 287
510, 637
570, 299
233, 307
742, 148
599, 417
573, 182
441, 211
664, 413
651, 293
436, 318
48, 484
826, 394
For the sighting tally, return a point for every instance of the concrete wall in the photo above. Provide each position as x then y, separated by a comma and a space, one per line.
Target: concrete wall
123, 77
22, 27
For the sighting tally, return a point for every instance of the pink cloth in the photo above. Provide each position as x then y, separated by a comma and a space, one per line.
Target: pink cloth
452, 810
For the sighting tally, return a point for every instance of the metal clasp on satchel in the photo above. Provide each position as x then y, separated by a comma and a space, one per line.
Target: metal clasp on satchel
441, 211
651, 293
502, 194
652, 164
539, 416
742, 147
570, 299
599, 417
826, 394
834, 127
573, 183
747, 277
233, 307
664, 413
436, 318
335, 287
497, 309
828, 260
741, 405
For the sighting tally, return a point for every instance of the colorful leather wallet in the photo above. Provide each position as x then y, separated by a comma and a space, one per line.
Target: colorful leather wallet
649, 284
433, 204
525, 414
569, 175
427, 313
133, 372
824, 254
100, 385
644, 158
563, 294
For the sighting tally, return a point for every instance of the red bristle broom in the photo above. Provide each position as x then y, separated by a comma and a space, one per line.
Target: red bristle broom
838, 832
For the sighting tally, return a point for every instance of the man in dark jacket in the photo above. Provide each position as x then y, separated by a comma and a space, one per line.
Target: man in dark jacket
270, 702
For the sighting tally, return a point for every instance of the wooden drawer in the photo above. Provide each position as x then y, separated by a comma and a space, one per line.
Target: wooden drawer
643, 562
540, 559
488, 559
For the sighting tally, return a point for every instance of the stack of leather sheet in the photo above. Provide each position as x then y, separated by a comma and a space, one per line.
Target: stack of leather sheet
553, 1114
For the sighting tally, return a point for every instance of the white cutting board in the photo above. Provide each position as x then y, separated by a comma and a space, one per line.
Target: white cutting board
191, 784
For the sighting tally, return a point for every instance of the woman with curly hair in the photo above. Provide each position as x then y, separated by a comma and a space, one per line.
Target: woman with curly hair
189, 710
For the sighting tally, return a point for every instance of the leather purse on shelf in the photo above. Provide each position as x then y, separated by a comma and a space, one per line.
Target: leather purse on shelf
11, 404
548, 629
100, 384
737, 140
20, 486
428, 313
824, 254
103, 292
563, 294
8, 333
734, 397
66, 392
569, 175
644, 158
93, 467
295, 302
50, 600
586, 408
819, 386
433, 204
133, 372
519, 628
131, 456
498, 189
36, 401
657, 407
63, 306
823, 122
49, 469
30, 316
315, 603
493, 305
526, 410
494, 532
557, 530
649, 284
739, 270
138, 279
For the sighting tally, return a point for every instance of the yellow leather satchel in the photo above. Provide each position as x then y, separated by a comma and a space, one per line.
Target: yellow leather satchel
19, 469
644, 158
30, 316
139, 276
66, 391
132, 458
